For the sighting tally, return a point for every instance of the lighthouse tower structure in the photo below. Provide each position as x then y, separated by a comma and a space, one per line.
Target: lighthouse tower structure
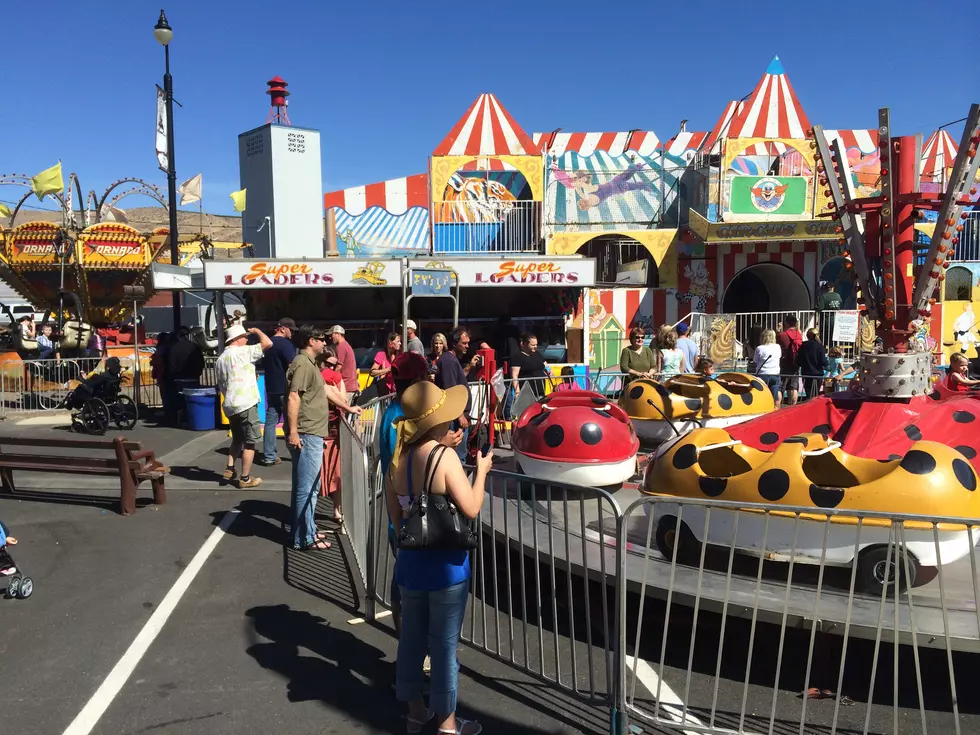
279, 167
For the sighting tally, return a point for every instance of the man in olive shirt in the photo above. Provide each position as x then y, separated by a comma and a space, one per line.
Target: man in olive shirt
306, 424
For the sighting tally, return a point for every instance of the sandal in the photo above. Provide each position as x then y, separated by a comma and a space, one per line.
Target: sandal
460, 724
318, 545
414, 725
11, 541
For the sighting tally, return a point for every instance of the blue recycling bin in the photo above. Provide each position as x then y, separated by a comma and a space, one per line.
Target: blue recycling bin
200, 411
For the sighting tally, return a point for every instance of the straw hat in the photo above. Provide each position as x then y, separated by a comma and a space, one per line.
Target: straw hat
426, 405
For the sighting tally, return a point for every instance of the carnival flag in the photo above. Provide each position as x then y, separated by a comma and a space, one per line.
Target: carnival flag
190, 190
49, 181
5, 210
238, 197
112, 214
161, 140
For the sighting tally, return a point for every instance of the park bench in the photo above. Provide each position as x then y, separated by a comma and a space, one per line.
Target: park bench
128, 461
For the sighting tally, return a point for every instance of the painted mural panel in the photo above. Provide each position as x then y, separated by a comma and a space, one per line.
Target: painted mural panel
604, 192
377, 232
784, 195
961, 311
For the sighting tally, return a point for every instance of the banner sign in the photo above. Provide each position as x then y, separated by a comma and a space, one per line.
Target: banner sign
341, 272
825, 229
523, 271
768, 195
241, 274
113, 245
431, 282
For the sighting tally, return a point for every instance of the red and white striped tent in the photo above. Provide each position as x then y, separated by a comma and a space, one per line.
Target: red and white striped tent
644, 142
712, 144
938, 154
487, 129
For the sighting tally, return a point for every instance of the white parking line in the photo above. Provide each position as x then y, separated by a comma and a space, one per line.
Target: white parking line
87, 719
670, 704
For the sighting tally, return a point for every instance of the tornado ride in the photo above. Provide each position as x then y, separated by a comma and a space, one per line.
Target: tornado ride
892, 444
76, 277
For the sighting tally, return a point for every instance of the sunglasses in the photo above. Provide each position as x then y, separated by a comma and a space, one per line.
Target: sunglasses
333, 365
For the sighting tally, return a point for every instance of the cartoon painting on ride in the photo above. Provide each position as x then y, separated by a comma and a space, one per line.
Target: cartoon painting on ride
961, 305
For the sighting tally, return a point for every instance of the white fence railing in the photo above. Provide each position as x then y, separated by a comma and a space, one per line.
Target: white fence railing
489, 225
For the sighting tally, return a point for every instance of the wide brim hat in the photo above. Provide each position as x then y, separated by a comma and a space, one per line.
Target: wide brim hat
426, 406
234, 332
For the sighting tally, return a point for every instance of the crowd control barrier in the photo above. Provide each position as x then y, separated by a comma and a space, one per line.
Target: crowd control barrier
706, 616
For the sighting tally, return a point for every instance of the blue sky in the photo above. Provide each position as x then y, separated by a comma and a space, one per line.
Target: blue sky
384, 81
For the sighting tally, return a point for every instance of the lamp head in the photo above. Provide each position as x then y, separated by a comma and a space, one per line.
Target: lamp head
162, 31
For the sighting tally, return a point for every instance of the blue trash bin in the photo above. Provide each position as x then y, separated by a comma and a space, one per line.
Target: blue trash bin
200, 404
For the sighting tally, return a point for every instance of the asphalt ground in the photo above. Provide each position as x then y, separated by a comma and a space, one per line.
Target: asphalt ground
262, 639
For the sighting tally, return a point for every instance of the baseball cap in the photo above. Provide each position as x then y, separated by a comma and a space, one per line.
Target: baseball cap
287, 322
409, 324
336, 328
682, 328
409, 366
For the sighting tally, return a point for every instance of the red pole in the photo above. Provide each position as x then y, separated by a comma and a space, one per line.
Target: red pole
895, 331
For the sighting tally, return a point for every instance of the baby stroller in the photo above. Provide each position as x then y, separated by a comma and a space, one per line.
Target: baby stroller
19, 586
97, 401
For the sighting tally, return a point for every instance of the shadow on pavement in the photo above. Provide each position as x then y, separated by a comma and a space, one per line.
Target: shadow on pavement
108, 502
323, 662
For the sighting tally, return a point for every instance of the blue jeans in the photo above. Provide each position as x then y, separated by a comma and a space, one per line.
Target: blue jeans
774, 382
431, 622
273, 412
509, 403
306, 487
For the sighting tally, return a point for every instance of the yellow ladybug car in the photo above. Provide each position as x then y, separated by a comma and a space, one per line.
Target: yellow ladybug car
660, 411
809, 470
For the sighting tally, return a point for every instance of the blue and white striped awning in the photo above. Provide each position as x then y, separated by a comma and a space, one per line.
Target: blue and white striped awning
379, 232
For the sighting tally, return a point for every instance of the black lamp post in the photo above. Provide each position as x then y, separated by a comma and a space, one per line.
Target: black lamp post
163, 33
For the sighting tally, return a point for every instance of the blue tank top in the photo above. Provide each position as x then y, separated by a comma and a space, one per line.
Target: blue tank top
428, 570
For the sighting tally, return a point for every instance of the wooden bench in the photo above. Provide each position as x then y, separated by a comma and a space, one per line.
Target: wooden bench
129, 462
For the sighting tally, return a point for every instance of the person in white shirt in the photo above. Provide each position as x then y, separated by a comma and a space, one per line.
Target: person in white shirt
766, 359
235, 370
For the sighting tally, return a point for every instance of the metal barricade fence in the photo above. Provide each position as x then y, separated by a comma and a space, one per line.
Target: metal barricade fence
728, 580
30, 386
630, 609
359, 487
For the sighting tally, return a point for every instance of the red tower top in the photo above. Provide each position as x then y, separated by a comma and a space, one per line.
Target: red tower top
278, 93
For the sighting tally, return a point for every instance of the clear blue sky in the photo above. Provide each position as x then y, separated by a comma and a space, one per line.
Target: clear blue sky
384, 81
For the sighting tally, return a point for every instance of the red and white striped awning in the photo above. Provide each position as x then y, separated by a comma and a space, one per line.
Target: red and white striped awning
772, 110
683, 145
712, 143
397, 196
487, 129
644, 142
865, 141
938, 154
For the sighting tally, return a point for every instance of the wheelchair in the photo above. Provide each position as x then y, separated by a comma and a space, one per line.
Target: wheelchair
98, 401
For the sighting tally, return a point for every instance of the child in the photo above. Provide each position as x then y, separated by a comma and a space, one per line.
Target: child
705, 367
567, 379
7, 567
835, 360
956, 376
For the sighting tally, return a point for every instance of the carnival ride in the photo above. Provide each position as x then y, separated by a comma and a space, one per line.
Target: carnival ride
682, 403
577, 437
892, 443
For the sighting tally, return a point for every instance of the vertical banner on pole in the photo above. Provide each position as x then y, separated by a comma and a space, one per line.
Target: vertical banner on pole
161, 131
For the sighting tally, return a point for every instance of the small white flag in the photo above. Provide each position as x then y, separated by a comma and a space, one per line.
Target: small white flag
161, 133
112, 214
190, 190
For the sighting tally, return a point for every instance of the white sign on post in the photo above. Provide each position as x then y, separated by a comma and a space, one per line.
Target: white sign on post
846, 325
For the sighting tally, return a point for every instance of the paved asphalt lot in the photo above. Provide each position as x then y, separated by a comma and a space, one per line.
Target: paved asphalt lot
261, 640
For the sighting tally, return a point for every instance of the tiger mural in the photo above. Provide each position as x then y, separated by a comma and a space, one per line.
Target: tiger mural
473, 199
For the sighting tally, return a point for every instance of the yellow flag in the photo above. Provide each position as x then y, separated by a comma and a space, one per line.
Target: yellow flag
5, 210
49, 181
238, 197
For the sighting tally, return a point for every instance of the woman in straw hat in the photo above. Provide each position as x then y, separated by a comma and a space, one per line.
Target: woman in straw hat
434, 583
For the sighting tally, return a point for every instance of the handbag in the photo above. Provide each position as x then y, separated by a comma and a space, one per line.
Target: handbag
435, 521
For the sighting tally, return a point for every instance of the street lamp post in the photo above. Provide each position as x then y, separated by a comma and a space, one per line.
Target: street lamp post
163, 33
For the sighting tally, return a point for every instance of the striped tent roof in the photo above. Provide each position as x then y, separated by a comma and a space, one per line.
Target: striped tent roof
938, 154
396, 196
487, 129
712, 143
644, 142
772, 110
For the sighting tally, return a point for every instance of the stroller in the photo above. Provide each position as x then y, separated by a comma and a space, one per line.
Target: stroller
98, 400
19, 585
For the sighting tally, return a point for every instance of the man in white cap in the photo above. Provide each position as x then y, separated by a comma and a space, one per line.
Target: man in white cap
414, 343
345, 356
235, 370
